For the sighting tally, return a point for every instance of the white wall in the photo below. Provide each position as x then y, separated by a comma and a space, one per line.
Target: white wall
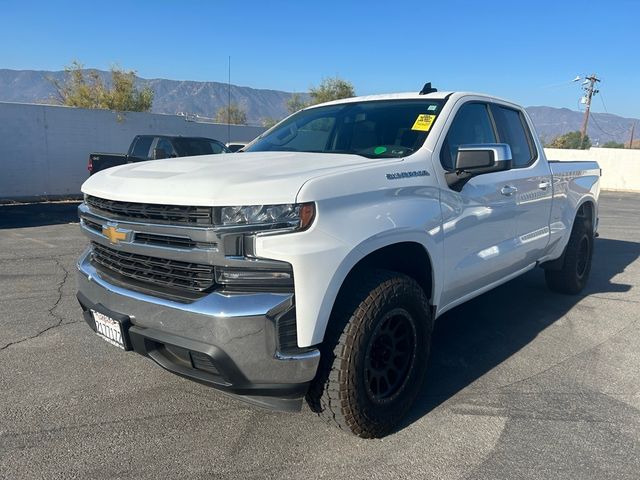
44, 149
620, 167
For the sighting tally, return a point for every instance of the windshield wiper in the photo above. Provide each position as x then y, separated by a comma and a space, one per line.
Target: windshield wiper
341, 152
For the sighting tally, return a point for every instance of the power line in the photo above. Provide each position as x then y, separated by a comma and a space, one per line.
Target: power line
599, 127
603, 105
613, 136
589, 87
621, 130
556, 85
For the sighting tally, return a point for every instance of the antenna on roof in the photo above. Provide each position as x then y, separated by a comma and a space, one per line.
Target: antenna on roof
427, 89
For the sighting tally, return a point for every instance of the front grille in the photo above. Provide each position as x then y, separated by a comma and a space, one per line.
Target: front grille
192, 277
92, 225
173, 214
156, 239
164, 240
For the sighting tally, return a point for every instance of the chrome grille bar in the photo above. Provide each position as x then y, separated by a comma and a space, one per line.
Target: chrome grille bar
159, 271
174, 214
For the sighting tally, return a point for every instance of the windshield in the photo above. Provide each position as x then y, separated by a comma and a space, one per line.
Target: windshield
374, 129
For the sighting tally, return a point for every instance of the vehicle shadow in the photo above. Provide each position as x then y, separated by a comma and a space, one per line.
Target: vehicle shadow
479, 335
38, 214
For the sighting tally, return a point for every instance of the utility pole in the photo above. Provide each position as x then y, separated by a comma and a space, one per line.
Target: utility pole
229, 105
633, 127
590, 92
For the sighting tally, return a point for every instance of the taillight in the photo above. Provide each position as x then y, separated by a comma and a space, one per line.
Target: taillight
90, 165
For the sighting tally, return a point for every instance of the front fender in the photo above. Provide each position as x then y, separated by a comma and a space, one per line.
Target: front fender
345, 232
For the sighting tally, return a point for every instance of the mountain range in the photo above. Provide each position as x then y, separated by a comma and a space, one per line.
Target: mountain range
205, 98
603, 127
170, 96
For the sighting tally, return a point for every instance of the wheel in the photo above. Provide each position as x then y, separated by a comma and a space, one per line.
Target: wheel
374, 356
572, 277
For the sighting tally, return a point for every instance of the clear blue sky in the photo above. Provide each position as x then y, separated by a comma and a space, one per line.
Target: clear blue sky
525, 51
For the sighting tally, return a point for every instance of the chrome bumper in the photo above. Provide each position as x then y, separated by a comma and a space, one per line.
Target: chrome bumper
237, 331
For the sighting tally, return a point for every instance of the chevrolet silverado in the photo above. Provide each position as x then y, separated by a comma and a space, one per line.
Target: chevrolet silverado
314, 263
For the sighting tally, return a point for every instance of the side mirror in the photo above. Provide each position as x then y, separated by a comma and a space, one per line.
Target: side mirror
478, 159
159, 153
485, 157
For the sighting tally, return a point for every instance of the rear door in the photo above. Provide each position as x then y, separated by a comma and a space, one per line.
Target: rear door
531, 181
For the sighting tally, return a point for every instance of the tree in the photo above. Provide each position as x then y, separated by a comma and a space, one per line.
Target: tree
331, 89
124, 96
85, 89
570, 140
269, 122
78, 90
295, 103
232, 114
613, 144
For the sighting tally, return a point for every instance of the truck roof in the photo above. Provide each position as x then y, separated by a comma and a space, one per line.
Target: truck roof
411, 96
177, 136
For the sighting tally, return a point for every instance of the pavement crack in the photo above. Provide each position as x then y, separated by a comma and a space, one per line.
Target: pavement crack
614, 299
41, 257
51, 311
59, 290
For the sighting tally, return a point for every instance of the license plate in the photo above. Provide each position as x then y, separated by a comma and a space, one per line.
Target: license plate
108, 329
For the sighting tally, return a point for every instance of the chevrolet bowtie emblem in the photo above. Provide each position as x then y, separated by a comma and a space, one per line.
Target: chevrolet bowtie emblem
114, 234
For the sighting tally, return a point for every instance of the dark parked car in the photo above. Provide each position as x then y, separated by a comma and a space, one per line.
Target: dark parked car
155, 147
235, 146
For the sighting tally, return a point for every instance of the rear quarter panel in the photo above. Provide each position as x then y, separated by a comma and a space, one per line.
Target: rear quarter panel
574, 183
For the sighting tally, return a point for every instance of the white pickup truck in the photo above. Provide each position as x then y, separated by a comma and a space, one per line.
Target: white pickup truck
315, 262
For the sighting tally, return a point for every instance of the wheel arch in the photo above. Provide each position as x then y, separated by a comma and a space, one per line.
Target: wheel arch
405, 256
586, 209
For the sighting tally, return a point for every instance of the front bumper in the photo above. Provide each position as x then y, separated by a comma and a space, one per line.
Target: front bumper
227, 341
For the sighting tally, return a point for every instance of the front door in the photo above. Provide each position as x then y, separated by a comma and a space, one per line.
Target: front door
479, 221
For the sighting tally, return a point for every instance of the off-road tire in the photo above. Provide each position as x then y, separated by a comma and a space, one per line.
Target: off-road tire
572, 277
380, 315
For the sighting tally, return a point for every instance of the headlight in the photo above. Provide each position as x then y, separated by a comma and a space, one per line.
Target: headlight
298, 216
254, 277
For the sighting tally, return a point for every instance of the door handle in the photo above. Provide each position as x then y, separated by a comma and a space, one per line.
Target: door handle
544, 185
508, 190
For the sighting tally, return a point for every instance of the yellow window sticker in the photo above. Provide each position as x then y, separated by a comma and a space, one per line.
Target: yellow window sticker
423, 122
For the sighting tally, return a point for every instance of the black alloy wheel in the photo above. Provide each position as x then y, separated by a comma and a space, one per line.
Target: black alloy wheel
390, 356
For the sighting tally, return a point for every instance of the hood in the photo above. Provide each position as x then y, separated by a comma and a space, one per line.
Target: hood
251, 178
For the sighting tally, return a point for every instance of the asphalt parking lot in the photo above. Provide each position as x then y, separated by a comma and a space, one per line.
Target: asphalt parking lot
523, 383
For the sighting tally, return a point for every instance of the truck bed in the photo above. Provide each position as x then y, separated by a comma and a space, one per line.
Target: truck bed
100, 161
